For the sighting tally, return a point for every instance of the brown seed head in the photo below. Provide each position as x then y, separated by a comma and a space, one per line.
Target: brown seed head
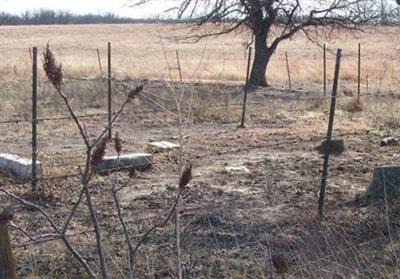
280, 263
132, 172
5, 215
99, 152
186, 176
135, 92
52, 70
117, 144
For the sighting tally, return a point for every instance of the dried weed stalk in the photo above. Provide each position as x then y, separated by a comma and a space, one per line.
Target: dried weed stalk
52, 70
95, 151
99, 152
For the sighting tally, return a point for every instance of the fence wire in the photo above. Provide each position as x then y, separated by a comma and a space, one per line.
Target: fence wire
104, 114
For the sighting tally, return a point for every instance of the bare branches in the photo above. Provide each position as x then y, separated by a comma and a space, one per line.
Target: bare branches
132, 94
209, 18
159, 224
54, 74
59, 233
125, 228
94, 154
261, 15
97, 230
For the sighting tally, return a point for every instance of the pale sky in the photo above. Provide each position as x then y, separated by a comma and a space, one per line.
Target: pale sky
118, 7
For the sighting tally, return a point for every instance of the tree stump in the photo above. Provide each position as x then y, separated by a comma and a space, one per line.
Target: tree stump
386, 179
7, 260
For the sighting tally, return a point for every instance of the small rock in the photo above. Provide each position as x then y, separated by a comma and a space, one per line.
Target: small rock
388, 141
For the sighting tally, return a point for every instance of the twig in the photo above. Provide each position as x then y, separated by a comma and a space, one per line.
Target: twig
158, 225
55, 75
76, 255
132, 257
269, 270
73, 210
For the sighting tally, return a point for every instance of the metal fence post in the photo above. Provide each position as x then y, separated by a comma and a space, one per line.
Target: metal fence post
99, 61
34, 119
324, 57
246, 89
329, 135
288, 70
109, 92
30, 55
179, 65
359, 73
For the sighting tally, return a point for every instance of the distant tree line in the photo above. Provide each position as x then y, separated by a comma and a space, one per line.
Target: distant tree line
49, 17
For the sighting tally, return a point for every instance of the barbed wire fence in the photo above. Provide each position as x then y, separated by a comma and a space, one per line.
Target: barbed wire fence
159, 107
111, 81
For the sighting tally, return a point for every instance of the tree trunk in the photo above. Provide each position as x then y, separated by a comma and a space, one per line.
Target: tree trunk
262, 56
7, 261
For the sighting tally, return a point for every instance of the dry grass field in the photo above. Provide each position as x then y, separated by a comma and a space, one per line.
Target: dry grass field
226, 215
138, 53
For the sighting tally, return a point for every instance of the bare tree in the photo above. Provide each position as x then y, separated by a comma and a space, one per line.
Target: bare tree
273, 21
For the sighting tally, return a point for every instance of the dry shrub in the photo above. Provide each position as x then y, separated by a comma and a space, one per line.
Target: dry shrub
390, 120
266, 117
354, 105
216, 114
317, 104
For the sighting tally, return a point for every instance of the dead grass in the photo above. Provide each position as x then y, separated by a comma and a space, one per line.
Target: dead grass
137, 53
353, 105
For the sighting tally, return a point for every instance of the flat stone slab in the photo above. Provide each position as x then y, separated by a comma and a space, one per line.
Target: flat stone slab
20, 168
238, 170
138, 161
163, 145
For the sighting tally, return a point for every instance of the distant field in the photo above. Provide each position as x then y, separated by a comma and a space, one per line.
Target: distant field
138, 53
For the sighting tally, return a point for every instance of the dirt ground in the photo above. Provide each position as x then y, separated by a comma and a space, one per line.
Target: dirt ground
227, 216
